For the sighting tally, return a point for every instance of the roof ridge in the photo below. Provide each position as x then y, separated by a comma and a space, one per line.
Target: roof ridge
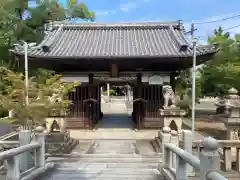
145, 25
140, 23
46, 45
183, 45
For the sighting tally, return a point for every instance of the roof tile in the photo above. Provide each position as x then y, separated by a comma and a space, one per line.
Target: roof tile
89, 40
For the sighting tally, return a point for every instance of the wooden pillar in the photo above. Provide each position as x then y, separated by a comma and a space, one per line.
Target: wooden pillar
90, 85
137, 104
139, 86
90, 95
99, 89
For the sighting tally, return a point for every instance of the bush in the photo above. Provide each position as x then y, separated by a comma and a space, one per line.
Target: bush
111, 92
3, 112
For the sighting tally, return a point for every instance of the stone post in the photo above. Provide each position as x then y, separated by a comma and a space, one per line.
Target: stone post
209, 157
13, 170
40, 153
238, 159
227, 153
187, 139
25, 158
181, 170
165, 136
175, 141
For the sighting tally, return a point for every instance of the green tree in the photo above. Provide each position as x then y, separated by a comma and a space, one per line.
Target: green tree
184, 89
20, 22
45, 97
223, 72
184, 84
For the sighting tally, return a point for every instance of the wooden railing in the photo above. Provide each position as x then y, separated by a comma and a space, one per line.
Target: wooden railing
179, 163
12, 158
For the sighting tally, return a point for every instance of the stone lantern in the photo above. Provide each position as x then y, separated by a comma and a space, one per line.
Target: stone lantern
229, 111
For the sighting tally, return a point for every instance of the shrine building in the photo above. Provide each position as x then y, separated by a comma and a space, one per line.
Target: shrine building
145, 55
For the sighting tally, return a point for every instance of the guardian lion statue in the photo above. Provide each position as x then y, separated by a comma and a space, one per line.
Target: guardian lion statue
169, 97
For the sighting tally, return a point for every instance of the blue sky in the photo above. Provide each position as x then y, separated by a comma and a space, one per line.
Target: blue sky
167, 10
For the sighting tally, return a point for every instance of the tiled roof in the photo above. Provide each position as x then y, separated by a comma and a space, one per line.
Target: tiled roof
123, 40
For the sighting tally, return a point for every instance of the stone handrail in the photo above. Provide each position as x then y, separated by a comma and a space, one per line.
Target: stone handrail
13, 161
184, 155
179, 163
9, 135
226, 148
19, 150
9, 142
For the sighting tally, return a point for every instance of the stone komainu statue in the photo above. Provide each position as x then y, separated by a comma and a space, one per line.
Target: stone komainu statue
169, 96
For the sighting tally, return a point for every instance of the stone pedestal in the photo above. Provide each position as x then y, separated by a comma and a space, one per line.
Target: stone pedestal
172, 117
60, 143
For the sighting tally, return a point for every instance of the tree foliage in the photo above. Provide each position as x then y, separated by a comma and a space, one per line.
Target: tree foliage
20, 22
217, 76
46, 96
184, 84
223, 72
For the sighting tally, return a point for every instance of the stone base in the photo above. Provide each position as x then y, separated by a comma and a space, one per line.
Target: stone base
60, 143
172, 117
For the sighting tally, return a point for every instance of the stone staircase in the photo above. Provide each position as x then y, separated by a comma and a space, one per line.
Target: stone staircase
114, 151
108, 166
110, 159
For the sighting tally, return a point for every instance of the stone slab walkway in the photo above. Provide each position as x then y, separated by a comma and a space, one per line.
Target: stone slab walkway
112, 147
113, 134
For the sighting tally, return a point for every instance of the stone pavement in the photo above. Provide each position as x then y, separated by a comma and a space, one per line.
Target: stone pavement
116, 124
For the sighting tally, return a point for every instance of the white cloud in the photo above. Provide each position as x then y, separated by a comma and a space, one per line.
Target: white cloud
105, 13
128, 6
132, 5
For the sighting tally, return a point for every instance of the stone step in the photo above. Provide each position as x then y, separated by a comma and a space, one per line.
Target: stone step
144, 147
107, 170
151, 165
109, 155
122, 160
110, 178
104, 173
